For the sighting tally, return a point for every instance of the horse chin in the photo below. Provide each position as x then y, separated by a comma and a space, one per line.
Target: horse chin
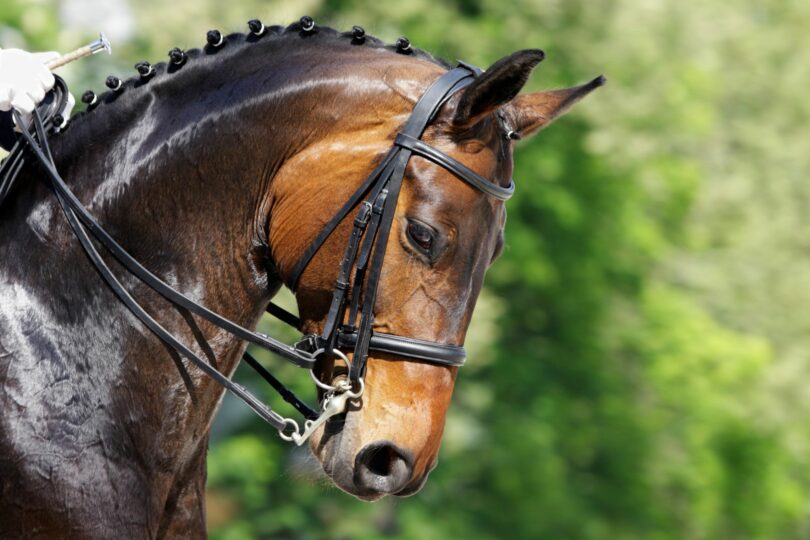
329, 449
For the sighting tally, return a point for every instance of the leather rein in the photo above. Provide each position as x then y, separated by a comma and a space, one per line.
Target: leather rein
374, 203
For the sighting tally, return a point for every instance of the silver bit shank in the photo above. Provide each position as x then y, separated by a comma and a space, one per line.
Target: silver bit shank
335, 406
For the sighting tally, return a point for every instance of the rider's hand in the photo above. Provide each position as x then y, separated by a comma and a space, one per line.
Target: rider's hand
24, 81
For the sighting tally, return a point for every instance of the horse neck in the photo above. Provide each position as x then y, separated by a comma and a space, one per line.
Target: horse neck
193, 166
181, 175
194, 195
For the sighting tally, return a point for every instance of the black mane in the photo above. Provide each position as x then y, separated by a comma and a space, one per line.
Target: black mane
320, 36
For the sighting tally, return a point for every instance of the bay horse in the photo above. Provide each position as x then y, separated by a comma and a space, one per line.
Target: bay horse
216, 175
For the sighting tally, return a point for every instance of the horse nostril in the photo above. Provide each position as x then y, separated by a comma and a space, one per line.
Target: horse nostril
383, 467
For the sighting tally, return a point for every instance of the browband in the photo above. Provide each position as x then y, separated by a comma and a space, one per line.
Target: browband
456, 167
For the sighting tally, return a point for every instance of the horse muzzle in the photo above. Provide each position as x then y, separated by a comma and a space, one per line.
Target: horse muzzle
378, 469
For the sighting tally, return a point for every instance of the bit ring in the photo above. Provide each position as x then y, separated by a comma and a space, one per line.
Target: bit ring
288, 422
323, 385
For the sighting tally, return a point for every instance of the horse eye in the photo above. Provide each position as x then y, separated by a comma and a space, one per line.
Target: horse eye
420, 235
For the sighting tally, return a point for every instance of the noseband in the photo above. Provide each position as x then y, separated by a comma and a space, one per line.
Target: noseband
375, 202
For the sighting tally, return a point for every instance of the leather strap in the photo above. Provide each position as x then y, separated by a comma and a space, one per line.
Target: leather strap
330, 227
335, 313
283, 315
428, 351
64, 197
54, 102
171, 294
285, 393
456, 167
426, 108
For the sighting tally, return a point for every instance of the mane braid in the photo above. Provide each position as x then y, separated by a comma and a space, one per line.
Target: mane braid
244, 40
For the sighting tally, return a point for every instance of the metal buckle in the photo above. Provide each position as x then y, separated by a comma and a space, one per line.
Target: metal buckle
363, 214
379, 204
308, 344
476, 70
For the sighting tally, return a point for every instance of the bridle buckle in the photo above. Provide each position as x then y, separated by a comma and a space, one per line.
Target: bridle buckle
308, 344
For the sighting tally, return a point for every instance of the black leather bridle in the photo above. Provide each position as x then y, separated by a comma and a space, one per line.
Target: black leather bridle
374, 203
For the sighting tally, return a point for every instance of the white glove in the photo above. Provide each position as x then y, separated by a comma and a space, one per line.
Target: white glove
24, 79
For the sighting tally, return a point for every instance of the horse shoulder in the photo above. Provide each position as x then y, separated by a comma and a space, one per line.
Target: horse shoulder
58, 436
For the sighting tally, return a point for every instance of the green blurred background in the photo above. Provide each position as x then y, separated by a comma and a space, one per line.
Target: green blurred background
640, 355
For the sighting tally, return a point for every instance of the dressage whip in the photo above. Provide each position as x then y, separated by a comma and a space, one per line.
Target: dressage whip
96, 46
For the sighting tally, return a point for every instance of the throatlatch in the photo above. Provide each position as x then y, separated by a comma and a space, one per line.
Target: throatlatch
374, 203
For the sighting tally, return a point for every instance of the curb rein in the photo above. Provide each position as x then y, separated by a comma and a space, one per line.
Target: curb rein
365, 252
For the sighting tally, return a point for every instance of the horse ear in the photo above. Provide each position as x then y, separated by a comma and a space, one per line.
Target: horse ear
532, 112
497, 85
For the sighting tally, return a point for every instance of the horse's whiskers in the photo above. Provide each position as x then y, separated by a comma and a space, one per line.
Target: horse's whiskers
305, 466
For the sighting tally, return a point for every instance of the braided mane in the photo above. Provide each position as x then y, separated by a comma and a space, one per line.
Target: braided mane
296, 33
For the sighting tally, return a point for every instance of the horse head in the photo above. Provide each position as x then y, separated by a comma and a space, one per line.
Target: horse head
444, 236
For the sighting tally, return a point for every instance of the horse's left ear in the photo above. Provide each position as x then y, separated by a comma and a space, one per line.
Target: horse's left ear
532, 112
496, 86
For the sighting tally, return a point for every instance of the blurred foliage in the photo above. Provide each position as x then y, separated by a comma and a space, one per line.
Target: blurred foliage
640, 351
